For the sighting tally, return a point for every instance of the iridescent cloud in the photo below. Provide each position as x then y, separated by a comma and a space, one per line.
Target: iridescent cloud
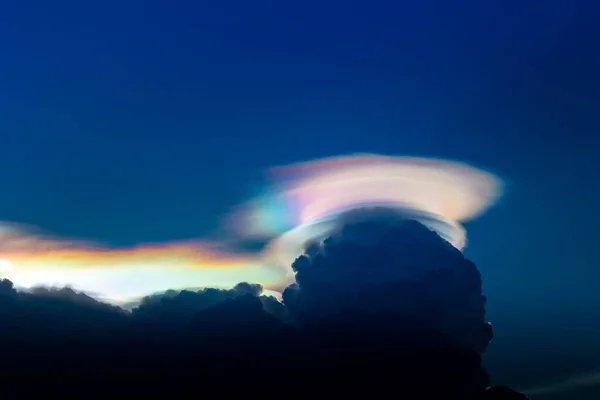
306, 198
301, 203
29, 258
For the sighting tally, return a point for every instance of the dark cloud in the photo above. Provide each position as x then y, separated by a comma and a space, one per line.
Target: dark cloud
379, 306
394, 266
503, 392
179, 307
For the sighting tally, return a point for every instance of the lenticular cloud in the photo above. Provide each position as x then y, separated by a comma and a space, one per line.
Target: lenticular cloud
307, 199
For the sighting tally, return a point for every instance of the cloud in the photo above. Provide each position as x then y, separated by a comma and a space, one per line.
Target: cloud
180, 306
382, 304
305, 199
122, 274
307, 192
383, 262
503, 392
260, 239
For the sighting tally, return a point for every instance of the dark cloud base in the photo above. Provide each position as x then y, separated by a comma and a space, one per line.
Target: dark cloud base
379, 309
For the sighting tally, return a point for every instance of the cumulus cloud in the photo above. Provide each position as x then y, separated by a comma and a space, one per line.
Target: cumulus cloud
363, 286
378, 281
383, 262
179, 307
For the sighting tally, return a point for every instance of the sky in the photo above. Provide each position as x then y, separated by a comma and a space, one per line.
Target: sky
146, 122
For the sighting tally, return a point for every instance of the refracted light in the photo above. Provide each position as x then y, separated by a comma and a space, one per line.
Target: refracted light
301, 204
441, 194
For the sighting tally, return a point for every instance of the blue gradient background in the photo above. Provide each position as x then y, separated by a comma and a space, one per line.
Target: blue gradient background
131, 122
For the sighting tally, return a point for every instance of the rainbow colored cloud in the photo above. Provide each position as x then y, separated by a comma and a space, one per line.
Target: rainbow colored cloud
301, 203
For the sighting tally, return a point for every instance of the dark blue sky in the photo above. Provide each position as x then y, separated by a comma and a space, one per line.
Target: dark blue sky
137, 121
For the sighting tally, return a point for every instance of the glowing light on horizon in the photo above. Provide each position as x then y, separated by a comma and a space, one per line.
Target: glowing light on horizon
5, 265
31, 259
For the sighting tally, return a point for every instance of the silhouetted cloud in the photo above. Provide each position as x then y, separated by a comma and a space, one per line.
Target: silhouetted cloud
179, 307
382, 304
503, 392
391, 265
